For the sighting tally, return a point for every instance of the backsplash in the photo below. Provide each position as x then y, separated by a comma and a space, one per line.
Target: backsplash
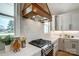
63, 33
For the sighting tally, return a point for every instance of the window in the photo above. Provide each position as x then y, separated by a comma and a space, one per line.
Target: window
46, 27
6, 24
6, 18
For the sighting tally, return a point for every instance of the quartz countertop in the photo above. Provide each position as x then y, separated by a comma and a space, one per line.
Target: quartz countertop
75, 38
30, 50
52, 38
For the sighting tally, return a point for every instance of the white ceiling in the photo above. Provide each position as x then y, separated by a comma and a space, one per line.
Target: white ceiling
59, 8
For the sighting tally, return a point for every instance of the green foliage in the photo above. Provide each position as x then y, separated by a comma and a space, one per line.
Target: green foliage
10, 27
1, 28
1, 40
7, 40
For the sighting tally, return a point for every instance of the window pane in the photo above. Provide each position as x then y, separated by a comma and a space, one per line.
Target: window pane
46, 27
6, 18
6, 24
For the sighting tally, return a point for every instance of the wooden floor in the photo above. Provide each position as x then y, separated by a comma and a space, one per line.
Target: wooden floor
63, 53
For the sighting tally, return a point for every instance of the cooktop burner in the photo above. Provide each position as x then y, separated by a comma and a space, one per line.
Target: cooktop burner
39, 42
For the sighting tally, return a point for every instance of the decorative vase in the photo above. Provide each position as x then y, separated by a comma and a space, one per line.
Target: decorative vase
16, 45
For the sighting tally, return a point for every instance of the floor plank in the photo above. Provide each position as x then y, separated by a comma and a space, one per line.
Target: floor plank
63, 53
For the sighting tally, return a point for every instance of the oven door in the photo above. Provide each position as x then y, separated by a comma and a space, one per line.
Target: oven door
50, 53
47, 51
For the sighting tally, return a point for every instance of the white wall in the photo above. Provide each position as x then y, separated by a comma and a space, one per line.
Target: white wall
31, 29
27, 27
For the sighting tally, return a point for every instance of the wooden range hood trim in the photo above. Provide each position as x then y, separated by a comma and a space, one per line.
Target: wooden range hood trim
35, 4
48, 9
38, 7
25, 7
29, 14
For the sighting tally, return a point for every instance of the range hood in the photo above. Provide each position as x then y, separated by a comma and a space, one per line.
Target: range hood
33, 9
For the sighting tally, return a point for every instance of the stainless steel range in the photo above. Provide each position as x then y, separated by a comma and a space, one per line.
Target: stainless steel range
45, 45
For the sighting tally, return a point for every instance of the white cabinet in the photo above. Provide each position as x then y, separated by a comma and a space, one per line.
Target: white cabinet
67, 45
68, 21
75, 20
58, 22
55, 47
60, 44
71, 45
77, 48
64, 21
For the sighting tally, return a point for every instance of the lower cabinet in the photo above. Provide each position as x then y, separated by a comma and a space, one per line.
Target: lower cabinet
60, 44
55, 48
71, 45
68, 45
78, 49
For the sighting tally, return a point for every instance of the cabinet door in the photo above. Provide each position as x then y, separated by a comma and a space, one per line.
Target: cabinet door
77, 47
66, 21
71, 45
55, 48
75, 21
67, 45
58, 22
61, 44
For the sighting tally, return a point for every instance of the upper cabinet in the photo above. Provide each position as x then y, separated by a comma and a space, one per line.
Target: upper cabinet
32, 9
75, 20
68, 21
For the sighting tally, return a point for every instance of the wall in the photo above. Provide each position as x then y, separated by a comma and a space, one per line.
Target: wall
31, 29
27, 27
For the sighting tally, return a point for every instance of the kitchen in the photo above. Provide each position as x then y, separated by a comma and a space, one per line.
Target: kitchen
60, 32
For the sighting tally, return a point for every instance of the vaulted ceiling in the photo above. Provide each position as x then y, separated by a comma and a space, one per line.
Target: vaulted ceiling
59, 8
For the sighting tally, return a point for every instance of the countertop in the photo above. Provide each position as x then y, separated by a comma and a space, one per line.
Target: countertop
30, 50
75, 38
51, 38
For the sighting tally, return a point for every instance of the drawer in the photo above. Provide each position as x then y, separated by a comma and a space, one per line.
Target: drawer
74, 40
